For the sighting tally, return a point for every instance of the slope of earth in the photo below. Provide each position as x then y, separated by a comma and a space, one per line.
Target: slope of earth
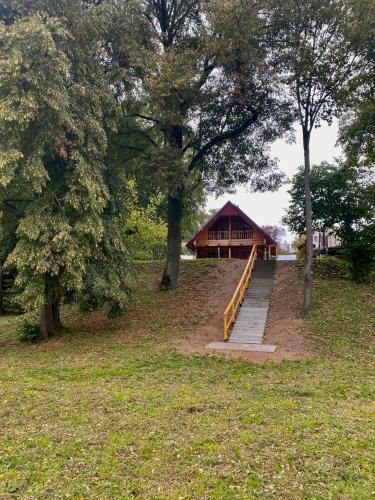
285, 325
110, 410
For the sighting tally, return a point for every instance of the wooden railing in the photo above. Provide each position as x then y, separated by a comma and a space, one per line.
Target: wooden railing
235, 302
242, 234
236, 234
218, 235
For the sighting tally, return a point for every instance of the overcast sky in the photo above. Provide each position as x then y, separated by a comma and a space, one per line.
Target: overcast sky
268, 208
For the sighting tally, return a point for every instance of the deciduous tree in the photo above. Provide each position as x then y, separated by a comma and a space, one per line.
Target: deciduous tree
320, 52
204, 96
357, 130
344, 203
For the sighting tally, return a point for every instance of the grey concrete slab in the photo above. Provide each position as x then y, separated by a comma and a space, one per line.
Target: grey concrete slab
228, 346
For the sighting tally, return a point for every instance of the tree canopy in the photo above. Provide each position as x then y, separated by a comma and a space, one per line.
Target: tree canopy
204, 97
343, 202
321, 50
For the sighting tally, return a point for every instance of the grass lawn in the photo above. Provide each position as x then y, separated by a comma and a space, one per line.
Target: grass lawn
110, 410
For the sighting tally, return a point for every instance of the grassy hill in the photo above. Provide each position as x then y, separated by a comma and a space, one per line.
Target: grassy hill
111, 410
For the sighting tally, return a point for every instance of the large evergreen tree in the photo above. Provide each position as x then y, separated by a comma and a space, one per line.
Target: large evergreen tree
52, 170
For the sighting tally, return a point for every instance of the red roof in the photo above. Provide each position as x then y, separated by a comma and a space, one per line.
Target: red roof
229, 209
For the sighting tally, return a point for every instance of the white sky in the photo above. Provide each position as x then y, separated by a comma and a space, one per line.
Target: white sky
268, 208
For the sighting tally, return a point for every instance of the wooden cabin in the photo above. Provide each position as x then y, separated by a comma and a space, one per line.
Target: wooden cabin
230, 233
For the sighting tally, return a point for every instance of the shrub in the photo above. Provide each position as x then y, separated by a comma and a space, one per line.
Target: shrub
360, 264
359, 251
27, 332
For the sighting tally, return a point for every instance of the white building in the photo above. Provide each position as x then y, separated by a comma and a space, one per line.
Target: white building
326, 240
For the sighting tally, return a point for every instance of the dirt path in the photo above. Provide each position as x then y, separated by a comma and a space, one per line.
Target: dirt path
284, 324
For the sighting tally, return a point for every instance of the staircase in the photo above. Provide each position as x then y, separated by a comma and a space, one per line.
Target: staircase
248, 329
251, 320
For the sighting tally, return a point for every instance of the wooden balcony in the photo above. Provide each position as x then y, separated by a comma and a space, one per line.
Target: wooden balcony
241, 234
218, 235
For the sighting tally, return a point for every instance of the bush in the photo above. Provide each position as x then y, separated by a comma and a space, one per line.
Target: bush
359, 251
27, 332
335, 251
359, 266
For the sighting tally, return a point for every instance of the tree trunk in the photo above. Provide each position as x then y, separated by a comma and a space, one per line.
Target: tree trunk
325, 243
56, 314
172, 266
1, 288
46, 320
46, 325
308, 224
174, 136
319, 244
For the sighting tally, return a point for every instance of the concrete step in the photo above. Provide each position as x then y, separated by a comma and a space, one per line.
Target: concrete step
247, 340
247, 331
255, 298
251, 339
259, 289
252, 312
246, 337
247, 325
251, 319
250, 302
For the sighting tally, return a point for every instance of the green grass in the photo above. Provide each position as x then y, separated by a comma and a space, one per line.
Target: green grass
109, 410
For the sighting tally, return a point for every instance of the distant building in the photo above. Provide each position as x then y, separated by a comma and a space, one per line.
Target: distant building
323, 241
230, 233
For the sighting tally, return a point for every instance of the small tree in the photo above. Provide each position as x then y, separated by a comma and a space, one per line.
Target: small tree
320, 54
146, 231
323, 179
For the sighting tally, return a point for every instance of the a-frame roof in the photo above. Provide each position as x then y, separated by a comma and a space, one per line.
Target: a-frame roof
229, 209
